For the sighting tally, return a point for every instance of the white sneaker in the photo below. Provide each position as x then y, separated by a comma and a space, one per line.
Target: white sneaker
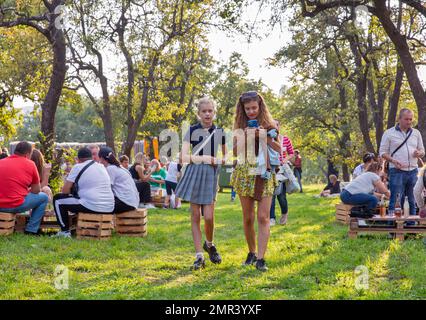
150, 206
272, 222
141, 206
362, 223
63, 234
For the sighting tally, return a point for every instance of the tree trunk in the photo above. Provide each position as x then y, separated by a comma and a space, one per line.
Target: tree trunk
361, 92
346, 136
407, 61
377, 107
394, 98
345, 172
57, 79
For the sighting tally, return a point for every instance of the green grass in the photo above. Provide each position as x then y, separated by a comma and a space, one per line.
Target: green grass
310, 258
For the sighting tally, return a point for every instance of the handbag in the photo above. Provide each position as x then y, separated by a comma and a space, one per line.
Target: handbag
399, 147
292, 185
278, 190
74, 189
361, 212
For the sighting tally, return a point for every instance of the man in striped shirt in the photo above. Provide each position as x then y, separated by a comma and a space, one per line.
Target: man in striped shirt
286, 155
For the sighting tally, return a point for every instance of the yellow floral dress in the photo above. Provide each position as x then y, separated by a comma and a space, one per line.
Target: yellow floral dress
242, 180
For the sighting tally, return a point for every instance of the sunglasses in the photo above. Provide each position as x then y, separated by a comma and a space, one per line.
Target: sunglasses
249, 95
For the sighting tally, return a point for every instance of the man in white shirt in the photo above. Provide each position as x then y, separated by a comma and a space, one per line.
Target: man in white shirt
403, 164
94, 191
366, 159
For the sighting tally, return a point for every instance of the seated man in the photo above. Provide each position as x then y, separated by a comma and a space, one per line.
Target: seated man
420, 193
20, 187
333, 188
94, 191
367, 159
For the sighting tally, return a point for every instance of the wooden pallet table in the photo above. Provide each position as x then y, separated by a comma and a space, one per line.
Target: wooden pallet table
377, 224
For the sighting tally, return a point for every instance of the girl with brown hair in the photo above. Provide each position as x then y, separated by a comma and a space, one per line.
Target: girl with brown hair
254, 125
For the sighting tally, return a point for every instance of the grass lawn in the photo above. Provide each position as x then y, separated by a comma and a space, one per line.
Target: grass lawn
310, 258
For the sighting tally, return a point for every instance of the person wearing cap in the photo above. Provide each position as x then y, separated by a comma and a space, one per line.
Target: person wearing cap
367, 159
94, 191
126, 196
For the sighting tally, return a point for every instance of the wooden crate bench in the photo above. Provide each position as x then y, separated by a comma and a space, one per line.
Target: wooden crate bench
94, 226
7, 223
377, 224
342, 212
132, 223
49, 221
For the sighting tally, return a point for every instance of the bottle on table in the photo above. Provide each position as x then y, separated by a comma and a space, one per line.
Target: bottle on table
406, 208
382, 206
398, 210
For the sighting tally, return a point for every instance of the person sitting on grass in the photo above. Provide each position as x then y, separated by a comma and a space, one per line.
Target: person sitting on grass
125, 193
94, 191
361, 191
20, 189
333, 188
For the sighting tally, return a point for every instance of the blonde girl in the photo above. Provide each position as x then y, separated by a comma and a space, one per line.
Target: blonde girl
199, 182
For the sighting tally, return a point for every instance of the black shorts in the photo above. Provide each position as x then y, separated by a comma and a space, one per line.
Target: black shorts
170, 186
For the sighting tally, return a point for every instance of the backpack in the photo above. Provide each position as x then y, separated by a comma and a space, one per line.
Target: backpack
361, 212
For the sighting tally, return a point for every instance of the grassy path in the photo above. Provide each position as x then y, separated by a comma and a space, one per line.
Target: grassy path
310, 258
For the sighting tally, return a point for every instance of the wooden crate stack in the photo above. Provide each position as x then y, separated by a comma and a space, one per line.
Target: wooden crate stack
132, 223
7, 223
94, 226
342, 213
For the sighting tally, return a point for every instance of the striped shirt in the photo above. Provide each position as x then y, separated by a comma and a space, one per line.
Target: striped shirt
286, 147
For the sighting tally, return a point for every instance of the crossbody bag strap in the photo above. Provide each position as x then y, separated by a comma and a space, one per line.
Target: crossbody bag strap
405, 141
82, 171
204, 143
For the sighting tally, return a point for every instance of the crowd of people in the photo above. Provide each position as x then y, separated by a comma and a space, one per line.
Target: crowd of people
97, 183
100, 182
393, 173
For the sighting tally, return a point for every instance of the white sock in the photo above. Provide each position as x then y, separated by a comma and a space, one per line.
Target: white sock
209, 244
199, 255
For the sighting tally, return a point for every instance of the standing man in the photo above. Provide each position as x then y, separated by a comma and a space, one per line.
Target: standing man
297, 162
402, 146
